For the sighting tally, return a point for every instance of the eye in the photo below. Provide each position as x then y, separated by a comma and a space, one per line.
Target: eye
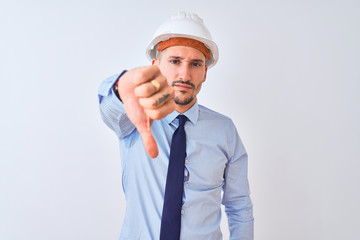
196, 64
174, 61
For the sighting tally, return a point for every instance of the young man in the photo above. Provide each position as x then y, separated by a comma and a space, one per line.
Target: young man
177, 156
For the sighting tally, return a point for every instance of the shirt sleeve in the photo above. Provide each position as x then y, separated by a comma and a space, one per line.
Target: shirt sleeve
236, 199
112, 109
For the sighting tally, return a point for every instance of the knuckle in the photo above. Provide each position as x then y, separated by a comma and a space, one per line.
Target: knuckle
156, 115
138, 91
155, 68
143, 90
162, 78
141, 74
142, 102
154, 103
149, 90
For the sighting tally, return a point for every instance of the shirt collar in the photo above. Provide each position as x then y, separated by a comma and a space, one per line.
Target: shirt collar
192, 114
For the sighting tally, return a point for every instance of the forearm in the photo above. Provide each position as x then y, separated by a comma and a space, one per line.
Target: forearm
237, 202
240, 218
236, 197
112, 109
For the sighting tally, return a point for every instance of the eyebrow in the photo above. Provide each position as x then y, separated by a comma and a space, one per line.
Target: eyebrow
181, 58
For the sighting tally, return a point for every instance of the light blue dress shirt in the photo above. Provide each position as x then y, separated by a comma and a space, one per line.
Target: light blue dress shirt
216, 161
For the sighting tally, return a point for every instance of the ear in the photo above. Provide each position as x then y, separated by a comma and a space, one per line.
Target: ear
206, 68
154, 61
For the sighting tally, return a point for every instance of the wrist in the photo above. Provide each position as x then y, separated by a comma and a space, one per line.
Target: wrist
115, 86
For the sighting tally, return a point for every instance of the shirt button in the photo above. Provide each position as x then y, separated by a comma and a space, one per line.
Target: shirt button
186, 161
187, 185
182, 211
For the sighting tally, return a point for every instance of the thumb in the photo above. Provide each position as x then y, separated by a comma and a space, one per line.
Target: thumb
149, 143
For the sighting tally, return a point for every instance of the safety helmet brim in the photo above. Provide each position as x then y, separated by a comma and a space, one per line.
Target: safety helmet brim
151, 51
184, 25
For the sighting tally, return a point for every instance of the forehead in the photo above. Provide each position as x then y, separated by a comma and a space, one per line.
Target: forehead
183, 52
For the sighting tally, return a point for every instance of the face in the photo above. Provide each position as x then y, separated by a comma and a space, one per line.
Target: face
185, 70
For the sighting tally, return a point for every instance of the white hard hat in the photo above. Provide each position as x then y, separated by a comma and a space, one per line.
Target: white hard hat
185, 25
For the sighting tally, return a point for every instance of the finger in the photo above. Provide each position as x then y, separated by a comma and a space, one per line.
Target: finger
156, 85
149, 88
145, 74
161, 112
156, 100
149, 143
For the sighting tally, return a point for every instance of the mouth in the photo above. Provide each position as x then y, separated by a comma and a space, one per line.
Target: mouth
182, 85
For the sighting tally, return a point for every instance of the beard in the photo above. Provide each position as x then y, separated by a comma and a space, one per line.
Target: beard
187, 100
183, 102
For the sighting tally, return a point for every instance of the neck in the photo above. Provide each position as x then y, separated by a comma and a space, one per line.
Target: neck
184, 108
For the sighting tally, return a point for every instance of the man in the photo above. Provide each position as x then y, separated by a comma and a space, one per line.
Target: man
165, 136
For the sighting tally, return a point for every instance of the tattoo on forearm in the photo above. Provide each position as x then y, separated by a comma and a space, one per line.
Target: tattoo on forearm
161, 100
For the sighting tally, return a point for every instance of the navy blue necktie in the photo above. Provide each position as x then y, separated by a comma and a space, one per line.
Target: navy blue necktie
171, 215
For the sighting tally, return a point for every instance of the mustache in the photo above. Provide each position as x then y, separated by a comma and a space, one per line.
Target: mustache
183, 82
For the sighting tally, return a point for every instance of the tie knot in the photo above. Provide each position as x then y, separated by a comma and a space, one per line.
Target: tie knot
182, 120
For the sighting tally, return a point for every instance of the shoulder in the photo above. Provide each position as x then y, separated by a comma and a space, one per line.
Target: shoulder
221, 128
207, 113
211, 118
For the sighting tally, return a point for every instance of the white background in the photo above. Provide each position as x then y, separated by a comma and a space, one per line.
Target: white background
288, 76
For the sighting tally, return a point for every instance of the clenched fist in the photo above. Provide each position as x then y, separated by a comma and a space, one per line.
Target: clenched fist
146, 96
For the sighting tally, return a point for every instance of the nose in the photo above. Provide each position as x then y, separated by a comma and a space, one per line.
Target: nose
184, 72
